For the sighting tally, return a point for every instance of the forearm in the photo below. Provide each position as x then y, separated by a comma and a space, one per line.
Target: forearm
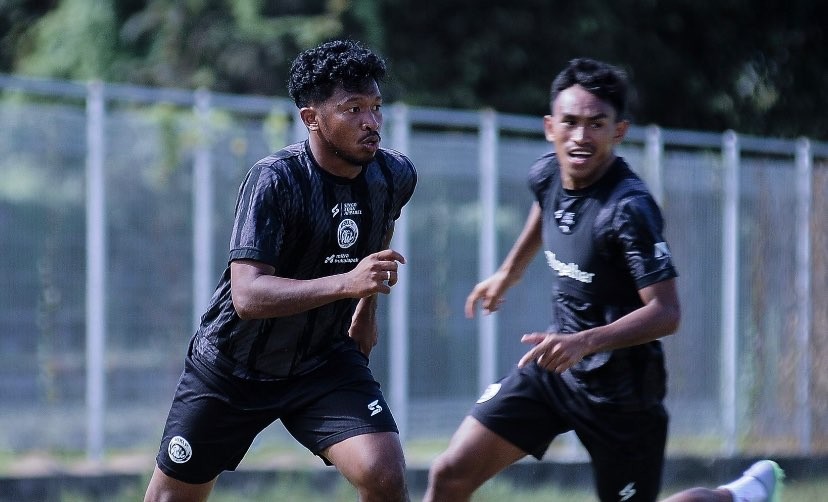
366, 310
524, 248
650, 322
270, 296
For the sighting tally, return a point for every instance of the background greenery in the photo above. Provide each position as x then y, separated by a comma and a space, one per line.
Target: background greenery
756, 66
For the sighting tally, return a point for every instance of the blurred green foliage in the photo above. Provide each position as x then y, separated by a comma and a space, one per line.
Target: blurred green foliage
753, 66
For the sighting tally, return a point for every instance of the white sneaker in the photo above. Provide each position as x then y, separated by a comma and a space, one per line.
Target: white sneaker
770, 475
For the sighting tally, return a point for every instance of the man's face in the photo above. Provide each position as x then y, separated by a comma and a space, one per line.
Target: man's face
349, 124
585, 130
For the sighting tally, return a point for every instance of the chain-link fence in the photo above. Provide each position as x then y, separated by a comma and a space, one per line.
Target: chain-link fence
116, 205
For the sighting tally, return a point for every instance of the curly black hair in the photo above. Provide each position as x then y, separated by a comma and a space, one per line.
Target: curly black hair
605, 81
317, 72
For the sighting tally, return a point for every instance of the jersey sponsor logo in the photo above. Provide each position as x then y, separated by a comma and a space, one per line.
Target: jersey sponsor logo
571, 270
375, 407
341, 258
179, 450
347, 233
350, 209
347, 209
490, 392
627, 492
661, 250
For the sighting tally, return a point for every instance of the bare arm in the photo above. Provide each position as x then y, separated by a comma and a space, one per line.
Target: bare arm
258, 294
660, 316
363, 327
490, 291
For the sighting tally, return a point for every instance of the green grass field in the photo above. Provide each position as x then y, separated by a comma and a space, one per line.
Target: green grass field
302, 488
494, 491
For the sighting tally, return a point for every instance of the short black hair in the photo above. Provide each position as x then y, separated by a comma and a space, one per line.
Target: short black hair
317, 72
605, 81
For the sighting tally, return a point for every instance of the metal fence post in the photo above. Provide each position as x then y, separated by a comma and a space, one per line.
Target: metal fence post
399, 299
804, 195
96, 265
488, 143
202, 208
730, 287
653, 165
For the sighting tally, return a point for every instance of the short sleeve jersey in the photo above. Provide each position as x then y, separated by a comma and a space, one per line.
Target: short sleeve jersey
603, 244
306, 223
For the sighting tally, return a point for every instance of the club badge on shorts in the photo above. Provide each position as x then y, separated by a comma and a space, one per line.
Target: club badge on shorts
489, 393
179, 450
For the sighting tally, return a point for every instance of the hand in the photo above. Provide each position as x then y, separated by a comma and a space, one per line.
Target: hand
553, 351
376, 273
490, 292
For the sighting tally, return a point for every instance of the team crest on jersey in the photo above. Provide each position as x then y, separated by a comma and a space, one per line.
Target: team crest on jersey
347, 233
179, 450
566, 220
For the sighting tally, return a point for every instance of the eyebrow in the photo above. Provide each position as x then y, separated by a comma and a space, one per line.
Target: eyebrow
597, 116
354, 98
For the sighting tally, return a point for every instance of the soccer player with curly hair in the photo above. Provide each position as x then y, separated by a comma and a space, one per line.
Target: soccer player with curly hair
290, 327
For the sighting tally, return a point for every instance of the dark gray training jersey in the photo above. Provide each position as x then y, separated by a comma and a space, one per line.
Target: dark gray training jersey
306, 223
604, 243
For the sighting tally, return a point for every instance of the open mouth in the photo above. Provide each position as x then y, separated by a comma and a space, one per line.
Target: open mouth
579, 156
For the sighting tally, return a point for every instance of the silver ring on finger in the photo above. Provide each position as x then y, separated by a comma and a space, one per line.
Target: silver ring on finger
388, 275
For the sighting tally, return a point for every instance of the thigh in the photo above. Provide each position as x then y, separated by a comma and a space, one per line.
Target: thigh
476, 453
338, 401
627, 451
367, 455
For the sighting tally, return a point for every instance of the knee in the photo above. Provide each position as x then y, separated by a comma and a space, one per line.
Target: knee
384, 481
446, 475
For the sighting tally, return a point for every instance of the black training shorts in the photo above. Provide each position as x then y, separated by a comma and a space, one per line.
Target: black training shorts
215, 417
531, 406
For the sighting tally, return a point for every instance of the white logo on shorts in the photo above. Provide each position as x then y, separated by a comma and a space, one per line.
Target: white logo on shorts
489, 393
375, 407
627, 492
179, 450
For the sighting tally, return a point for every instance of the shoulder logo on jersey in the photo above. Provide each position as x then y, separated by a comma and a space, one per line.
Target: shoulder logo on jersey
490, 392
571, 270
179, 450
661, 250
347, 233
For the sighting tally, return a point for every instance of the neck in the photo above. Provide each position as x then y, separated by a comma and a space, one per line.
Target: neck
571, 183
328, 158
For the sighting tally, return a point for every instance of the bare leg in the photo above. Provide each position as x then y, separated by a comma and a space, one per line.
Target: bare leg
374, 464
761, 482
474, 455
701, 495
163, 488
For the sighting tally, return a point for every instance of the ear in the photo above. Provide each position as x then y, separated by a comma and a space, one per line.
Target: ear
308, 115
549, 128
621, 128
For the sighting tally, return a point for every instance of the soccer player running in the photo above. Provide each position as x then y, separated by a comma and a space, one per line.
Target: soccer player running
292, 322
598, 369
